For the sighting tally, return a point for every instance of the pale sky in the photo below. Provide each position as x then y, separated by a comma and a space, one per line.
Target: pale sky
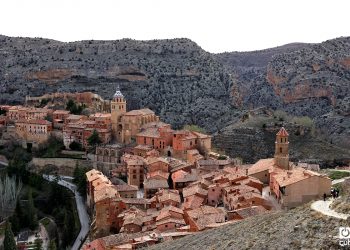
217, 26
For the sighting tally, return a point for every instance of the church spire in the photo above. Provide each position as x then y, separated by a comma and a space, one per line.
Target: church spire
282, 148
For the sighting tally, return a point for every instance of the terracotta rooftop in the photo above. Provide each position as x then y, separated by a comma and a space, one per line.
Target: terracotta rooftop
145, 111
262, 165
282, 132
152, 160
139, 201
133, 219
176, 165
183, 176
133, 159
126, 187
193, 190
150, 132
63, 112
171, 220
206, 215
250, 211
288, 177
93, 174
193, 202
155, 183
159, 173
75, 117
108, 191
167, 194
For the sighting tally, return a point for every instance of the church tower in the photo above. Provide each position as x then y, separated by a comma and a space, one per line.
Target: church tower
281, 149
118, 108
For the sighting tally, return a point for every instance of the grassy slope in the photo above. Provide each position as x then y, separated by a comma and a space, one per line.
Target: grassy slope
294, 229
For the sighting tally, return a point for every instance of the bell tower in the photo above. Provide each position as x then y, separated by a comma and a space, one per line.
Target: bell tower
118, 108
281, 149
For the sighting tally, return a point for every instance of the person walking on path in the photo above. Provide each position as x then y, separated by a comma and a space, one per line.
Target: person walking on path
324, 196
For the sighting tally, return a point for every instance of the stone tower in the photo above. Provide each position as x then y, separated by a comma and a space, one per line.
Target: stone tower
118, 108
281, 149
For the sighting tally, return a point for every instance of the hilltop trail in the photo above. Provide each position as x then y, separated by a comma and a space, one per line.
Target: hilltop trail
324, 208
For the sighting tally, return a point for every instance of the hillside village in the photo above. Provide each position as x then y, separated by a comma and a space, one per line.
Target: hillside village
150, 183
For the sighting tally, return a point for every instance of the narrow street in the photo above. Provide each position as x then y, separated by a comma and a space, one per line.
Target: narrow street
83, 215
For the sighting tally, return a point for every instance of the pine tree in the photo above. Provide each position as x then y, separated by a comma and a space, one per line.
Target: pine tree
9, 241
31, 212
94, 138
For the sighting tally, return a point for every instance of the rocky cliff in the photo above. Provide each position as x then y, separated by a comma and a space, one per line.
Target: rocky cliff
176, 78
302, 79
187, 85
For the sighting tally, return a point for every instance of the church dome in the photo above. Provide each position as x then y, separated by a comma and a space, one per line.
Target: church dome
118, 93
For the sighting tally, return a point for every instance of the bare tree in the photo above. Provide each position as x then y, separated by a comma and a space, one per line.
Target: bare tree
9, 191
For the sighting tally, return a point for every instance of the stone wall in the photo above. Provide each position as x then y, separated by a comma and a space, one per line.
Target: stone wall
62, 166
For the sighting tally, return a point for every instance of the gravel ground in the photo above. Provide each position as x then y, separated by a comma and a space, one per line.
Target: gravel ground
299, 228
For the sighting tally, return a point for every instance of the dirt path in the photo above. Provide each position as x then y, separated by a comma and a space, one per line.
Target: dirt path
324, 208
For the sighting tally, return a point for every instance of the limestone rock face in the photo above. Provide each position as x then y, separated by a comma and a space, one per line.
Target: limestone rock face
176, 78
302, 79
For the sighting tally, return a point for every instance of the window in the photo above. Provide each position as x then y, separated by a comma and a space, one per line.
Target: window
134, 176
166, 225
280, 150
134, 171
281, 139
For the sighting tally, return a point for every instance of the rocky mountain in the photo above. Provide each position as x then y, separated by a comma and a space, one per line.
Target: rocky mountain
176, 78
186, 85
301, 79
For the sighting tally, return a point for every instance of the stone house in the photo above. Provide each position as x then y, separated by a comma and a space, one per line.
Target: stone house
58, 118
135, 168
194, 196
298, 186
170, 218
198, 219
153, 185
127, 191
32, 133
182, 179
